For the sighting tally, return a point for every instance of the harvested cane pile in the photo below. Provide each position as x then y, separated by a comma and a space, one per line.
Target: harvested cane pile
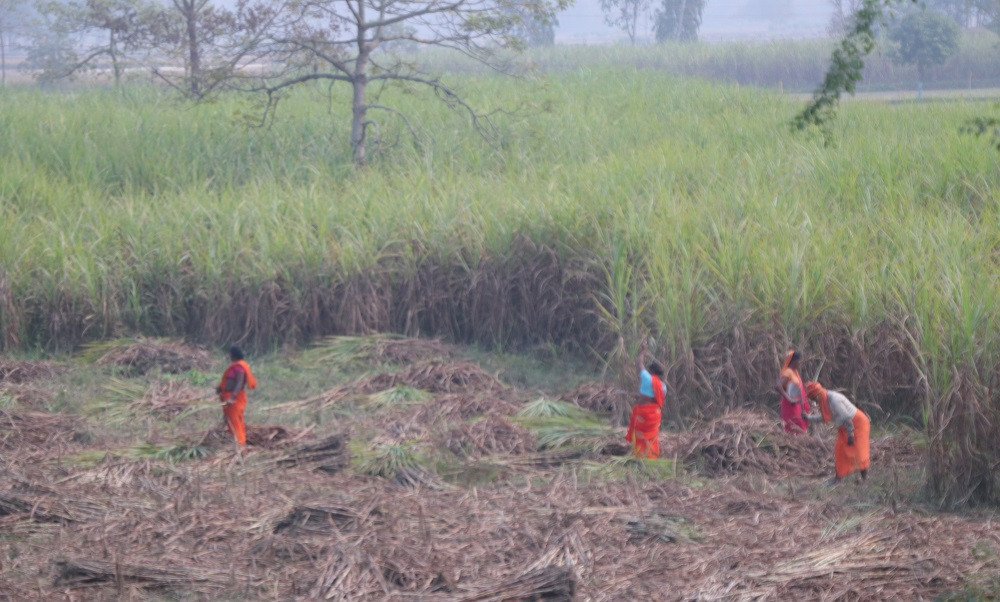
19, 371
78, 572
746, 441
597, 397
324, 517
459, 384
491, 435
436, 376
27, 395
170, 397
409, 351
328, 455
139, 356
24, 431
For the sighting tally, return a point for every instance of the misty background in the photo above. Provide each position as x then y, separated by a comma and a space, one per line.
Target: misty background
723, 20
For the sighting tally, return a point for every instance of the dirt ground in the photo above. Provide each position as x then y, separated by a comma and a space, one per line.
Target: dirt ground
425, 480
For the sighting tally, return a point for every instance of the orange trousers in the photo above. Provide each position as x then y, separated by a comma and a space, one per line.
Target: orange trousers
852, 458
234, 417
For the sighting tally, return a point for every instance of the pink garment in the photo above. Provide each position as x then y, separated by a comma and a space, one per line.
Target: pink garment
791, 415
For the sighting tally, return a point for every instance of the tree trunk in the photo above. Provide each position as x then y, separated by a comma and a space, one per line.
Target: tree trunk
358, 121
359, 81
3, 60
194, 52
633, 28
680, 21
113, 51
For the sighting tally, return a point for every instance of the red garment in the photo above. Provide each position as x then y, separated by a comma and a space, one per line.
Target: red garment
791, 412
644, 424
234, 370
233, 411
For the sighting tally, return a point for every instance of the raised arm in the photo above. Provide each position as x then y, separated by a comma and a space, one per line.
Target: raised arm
642, 357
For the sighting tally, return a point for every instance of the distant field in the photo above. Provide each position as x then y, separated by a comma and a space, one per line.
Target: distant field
788, 65
616, 203
956, 95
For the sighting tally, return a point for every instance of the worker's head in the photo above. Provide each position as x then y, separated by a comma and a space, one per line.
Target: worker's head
813, 389
656, 369
793, 362
235, 353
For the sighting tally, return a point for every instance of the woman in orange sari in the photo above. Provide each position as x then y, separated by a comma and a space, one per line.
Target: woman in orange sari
644, 425
851, 452
232, 393
794, 402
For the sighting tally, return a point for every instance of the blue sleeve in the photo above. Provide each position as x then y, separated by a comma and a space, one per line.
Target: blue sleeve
646, 383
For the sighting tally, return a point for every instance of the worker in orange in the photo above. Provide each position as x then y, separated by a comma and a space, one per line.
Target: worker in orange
851, 452
794, 402
232, 393
644, 424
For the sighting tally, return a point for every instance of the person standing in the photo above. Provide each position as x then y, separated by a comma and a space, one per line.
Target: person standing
794, 402
232, 393
644, 424
851, 452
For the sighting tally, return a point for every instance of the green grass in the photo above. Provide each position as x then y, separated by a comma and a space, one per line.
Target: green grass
548, 408
396, 397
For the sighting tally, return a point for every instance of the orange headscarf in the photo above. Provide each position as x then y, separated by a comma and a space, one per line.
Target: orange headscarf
814, 390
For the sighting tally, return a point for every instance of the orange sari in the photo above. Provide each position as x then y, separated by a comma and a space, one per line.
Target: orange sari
644, 425
233, 411
846, 458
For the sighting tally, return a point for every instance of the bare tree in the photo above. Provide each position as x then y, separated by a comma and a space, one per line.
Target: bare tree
213, 42
625, 15
111, 29
352, 42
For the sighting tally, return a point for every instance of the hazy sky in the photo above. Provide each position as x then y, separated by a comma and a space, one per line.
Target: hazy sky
722, 20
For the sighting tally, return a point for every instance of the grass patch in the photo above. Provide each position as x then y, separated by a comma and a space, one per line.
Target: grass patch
400, 396
563, 431
174, 452
630, 467
386, 459
338, 352
549, 408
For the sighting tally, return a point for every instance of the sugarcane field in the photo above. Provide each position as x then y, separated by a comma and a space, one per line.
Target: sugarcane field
499, 300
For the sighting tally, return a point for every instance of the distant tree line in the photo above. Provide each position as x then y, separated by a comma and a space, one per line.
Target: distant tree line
266, 47
673, 20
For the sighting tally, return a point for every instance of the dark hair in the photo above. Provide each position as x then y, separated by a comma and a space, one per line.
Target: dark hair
657, 369
235, 352
796, 355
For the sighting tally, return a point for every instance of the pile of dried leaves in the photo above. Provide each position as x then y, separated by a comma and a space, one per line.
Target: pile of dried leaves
139, 356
